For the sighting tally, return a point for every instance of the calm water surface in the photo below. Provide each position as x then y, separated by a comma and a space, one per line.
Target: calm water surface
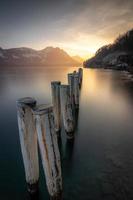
98, 164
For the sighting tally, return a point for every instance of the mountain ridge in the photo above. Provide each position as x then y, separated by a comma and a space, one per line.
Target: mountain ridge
78, 58
27, 56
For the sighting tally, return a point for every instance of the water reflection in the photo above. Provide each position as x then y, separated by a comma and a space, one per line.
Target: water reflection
33, 197
100, 156
69, 150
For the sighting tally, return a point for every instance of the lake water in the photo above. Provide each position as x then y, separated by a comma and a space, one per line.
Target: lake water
98, 164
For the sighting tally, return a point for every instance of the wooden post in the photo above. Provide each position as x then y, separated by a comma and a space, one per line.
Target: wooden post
76, 90
49, 150
66, 109
71, 83
55, 88
80, 76
28, 141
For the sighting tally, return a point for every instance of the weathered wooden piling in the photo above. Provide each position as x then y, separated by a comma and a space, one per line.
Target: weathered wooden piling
76, 90
80, 71
49, 150
66, 108
55, 88
28, 141
71, 83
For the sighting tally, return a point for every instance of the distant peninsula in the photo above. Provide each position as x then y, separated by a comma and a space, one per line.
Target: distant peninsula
118, 55
23, 56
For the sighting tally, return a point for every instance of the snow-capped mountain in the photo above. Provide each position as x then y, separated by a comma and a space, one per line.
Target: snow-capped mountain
29, 57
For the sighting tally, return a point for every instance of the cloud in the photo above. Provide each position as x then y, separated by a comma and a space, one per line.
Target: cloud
81, 24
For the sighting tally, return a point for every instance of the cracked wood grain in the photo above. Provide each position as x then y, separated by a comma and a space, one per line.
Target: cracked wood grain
48, 144
28, 141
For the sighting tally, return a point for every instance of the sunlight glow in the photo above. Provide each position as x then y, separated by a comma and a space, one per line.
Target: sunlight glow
83, 45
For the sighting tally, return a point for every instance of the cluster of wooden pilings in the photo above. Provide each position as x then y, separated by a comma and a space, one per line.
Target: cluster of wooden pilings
40, 125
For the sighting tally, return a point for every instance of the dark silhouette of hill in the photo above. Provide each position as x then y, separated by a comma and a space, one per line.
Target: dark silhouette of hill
118, 55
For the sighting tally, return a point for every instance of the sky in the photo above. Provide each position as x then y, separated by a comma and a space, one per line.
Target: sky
78, 26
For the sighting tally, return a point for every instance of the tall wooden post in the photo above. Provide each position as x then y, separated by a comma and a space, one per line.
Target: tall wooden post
55, 88
28, 141
76, 90
49, 150
66, 108
71, 83
80, 71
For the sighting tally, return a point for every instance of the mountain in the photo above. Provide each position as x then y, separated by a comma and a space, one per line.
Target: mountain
118, 55
78, 59
29, 57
